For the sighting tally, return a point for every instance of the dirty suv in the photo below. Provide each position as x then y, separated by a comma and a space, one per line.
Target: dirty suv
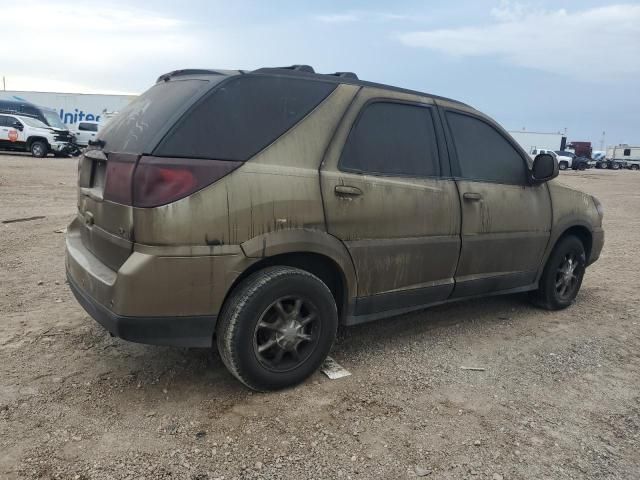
261, 210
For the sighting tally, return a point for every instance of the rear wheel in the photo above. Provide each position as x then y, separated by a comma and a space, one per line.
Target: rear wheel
562, 275
635, 167
563, 165
38, 149
277, 328
582, 166
615, 166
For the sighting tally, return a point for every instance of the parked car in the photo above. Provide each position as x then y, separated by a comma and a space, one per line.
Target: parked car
22, 133
85, 132
582, 163
259, 210
565, 159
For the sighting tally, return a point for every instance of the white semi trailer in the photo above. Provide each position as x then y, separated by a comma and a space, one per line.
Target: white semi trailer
73, 107
531, 141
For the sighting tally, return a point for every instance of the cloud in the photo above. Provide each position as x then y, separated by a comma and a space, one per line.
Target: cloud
601, 42
358, 16
338, 18
83, 44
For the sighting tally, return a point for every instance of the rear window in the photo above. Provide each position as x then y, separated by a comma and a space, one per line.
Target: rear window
133, 129
242, 117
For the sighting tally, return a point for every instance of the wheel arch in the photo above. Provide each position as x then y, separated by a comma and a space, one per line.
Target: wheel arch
30, 141
314, 251
582, 231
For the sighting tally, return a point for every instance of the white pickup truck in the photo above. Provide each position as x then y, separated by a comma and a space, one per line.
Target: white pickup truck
23, 133
85, 132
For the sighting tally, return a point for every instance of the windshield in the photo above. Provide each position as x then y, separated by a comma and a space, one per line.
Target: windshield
53, 119
33, 122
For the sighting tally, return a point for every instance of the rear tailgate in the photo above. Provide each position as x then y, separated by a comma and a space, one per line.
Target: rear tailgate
106, 226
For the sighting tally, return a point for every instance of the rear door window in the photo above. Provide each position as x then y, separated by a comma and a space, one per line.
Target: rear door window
135, 128
243, 116
484, 153
393, 139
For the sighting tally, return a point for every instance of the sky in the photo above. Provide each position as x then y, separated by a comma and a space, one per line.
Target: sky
542, 65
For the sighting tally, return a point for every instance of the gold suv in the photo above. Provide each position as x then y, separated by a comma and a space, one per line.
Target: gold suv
262, 209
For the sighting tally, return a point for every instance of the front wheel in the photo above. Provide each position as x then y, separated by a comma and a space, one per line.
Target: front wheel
635, 167
582, 166
563, 165
39, 149
615, 166
562, 275
277, 328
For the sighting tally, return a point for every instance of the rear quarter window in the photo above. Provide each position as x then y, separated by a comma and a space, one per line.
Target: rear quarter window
242, 116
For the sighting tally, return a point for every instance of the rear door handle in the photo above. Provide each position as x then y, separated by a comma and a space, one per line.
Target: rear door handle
472, 197
347, 191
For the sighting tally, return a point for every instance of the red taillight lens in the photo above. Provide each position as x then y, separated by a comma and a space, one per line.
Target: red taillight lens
118, 177
158, 181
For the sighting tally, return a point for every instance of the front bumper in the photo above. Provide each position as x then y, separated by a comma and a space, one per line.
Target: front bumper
192, 331
63, 147
597, 242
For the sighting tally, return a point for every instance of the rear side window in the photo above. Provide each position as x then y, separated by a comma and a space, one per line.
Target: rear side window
88, 127
133, 129
243, 116
392, 139
483, 153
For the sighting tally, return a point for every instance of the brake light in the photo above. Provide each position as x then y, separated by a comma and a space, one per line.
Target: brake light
118, 177
158, 181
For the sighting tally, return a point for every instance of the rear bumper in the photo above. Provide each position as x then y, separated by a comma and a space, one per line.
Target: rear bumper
157, 295
194, 331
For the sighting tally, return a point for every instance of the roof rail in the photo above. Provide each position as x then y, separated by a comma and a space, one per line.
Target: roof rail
188, 71
299, 68
350, 75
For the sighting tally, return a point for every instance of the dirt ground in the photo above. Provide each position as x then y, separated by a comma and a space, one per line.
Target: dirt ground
559, 397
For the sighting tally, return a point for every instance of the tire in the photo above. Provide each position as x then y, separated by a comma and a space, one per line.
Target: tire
39, 149
563, 165
259, 321
635, 167
615, 166
551, 294
582, 166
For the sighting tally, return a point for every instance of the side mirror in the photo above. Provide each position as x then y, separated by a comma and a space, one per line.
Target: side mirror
18, 126
545, 167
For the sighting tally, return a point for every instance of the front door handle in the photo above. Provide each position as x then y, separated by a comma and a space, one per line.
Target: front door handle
347, 191
472, 196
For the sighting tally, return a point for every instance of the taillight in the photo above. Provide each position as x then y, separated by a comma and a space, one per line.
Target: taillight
118, 177
158, 181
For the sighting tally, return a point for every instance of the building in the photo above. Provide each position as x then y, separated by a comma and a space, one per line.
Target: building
73, 107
